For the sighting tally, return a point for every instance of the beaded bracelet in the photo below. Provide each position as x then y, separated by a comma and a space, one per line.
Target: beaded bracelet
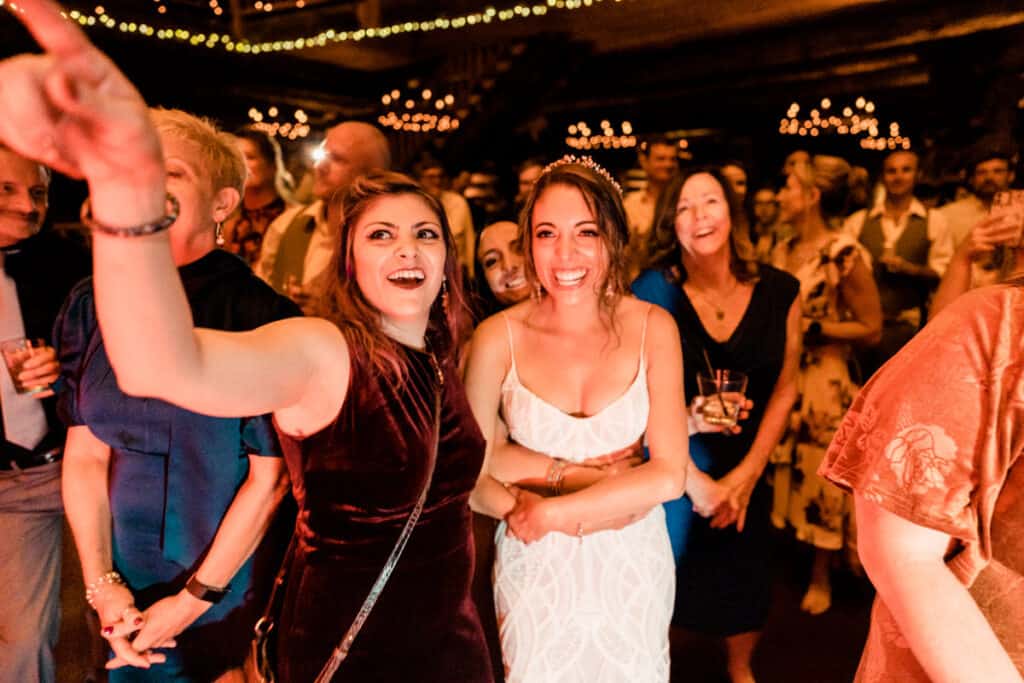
173, 209
93, 590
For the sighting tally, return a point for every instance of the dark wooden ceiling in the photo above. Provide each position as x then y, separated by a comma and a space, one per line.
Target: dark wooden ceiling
730, 66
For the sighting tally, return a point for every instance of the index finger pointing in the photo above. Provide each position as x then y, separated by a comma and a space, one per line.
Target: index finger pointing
54, 33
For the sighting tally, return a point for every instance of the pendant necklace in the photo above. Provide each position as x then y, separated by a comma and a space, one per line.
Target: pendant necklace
719, 310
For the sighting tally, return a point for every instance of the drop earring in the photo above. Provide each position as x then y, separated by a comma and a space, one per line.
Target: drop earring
444, 296
219, 233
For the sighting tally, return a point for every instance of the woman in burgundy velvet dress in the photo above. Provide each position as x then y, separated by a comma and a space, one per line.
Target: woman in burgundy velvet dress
352, 392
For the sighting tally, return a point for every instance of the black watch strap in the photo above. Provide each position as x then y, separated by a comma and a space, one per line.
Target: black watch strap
206, 593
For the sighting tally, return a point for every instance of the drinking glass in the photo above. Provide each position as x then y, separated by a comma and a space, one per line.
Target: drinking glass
724, 394
16, 352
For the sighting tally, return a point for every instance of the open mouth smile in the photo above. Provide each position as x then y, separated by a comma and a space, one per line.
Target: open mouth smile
408, 278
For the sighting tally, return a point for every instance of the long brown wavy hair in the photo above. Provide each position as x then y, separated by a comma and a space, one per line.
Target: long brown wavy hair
605, 202
344, 303
666, 254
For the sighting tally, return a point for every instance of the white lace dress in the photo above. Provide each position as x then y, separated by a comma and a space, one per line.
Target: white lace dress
595, 610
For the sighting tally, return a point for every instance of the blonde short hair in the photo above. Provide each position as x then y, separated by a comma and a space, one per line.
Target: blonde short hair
221, 159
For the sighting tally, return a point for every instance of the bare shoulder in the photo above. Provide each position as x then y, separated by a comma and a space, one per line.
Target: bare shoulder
489, 348
635, 313
318, 334
662, 330
516, 314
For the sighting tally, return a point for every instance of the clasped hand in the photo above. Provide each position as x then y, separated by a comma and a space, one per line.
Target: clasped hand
135, 636
535, 516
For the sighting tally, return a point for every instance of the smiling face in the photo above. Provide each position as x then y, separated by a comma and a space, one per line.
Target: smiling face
503, 262
703, 222
23, 197
398, 254
569, 252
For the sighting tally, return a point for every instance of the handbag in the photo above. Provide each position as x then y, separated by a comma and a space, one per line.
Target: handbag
260, 665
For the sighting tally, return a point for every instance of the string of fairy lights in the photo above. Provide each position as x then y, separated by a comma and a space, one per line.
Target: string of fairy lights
859, 119
98, 17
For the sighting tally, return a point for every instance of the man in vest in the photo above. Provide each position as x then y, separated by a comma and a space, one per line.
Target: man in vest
37, 270
910, 248
297, 246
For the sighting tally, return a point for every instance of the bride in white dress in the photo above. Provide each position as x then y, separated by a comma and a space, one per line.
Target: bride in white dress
584, 581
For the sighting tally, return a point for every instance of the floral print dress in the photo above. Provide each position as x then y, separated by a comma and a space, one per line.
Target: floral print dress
818, 512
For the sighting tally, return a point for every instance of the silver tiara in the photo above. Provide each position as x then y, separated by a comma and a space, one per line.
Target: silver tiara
586, 161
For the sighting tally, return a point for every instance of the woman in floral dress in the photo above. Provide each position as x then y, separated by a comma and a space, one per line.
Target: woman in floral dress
840, 307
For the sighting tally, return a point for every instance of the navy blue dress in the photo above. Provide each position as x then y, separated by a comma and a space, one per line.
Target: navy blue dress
723, 580
174, 473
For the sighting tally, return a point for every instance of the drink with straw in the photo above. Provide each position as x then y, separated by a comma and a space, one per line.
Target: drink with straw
724, 394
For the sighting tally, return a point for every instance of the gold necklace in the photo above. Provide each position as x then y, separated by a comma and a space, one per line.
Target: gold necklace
719, 310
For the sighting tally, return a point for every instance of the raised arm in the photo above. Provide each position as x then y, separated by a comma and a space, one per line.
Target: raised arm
72, 109
946, 631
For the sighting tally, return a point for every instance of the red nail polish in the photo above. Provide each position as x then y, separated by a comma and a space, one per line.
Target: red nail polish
107, 630
138, 620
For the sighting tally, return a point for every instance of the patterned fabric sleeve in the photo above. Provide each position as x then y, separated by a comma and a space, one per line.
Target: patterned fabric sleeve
913, 440
843, 252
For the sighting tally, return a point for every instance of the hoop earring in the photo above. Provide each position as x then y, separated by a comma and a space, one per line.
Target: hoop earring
219, 234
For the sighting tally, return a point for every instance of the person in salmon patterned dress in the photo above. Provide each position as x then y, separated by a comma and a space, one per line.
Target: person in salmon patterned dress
931, 450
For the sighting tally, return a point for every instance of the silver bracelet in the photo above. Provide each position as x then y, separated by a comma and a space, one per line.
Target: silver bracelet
96, 587
159, 225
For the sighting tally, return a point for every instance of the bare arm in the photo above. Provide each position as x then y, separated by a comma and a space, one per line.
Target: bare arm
979, 244
72, 109
860, 294
955, 282
86, 504
661, 478
485, 371
241, 530
85, 491
946, 631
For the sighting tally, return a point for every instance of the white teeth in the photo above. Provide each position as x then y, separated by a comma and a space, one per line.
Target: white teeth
408, 274
570, 277
515, 284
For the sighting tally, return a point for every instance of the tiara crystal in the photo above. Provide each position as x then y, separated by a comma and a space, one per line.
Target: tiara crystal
587, 162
